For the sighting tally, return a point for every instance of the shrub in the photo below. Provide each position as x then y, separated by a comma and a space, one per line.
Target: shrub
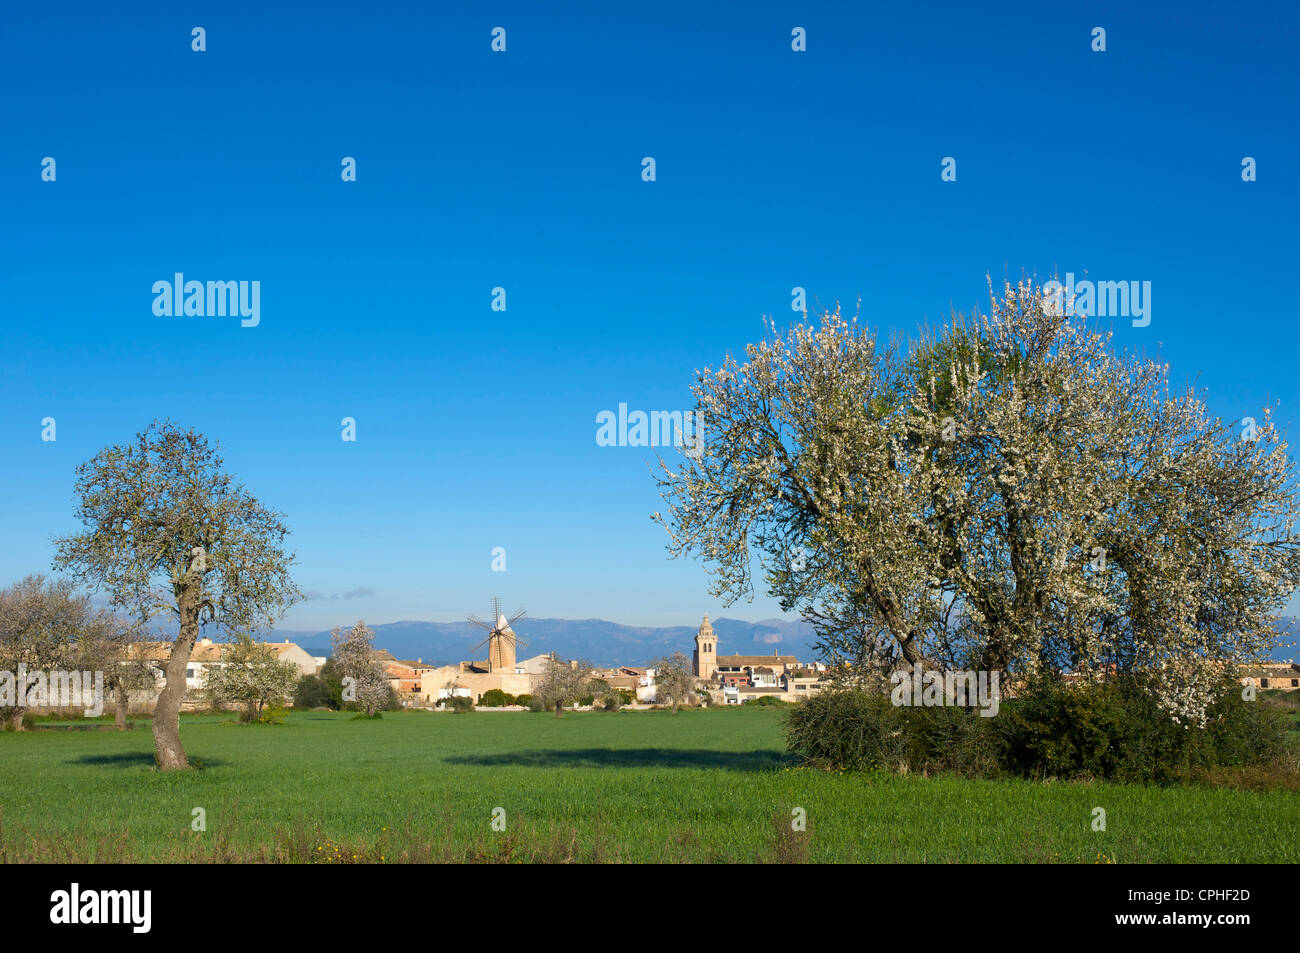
312, 692
525, 699
272, 715
460, 704
766, 701
1113, 730
496, 698
1117, 730
846, 730
28, 722
333, 679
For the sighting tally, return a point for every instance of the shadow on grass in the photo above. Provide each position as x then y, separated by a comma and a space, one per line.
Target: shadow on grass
630, 758
135, 759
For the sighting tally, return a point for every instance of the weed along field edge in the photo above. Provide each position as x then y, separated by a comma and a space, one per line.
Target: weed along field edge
710, 785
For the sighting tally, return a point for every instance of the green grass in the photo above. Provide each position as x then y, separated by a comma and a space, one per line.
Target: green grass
631, 786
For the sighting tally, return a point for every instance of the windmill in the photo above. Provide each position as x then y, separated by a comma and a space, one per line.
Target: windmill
501, 639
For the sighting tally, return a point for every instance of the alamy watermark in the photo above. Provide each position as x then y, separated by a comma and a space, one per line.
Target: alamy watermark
964, 689
56, 689
658, 428
127, 907
211, 299
1103, 299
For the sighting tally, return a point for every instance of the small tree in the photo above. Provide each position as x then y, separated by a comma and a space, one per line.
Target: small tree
562, 683
118, 648
312, 691
674, 678
364, 680
612, 700
168, 530
252, 675
39, 622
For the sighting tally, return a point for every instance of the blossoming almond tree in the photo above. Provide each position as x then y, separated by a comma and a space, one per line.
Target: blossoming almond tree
42, 623
366, 683
167, 530
251, 674
120, 649
674, 679
1010, 494
562, 683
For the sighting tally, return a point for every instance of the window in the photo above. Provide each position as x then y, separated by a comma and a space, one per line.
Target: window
189, 672
1295, 683
1263, 683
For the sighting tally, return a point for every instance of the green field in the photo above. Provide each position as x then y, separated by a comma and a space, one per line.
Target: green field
710, 785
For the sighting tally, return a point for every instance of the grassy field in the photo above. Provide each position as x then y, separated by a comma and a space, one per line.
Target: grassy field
708, 785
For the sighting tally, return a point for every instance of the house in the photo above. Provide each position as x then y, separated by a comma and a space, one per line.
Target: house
294, 654
535, 665
746, 664
750, 692
742, 677
1272, 675
404, 676
802, 687
646, 692
622, 677
472, 679
206, 655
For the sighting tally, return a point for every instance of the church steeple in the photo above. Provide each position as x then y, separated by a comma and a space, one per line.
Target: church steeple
706, 650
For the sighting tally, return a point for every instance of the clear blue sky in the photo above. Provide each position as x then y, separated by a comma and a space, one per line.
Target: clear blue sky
476, 428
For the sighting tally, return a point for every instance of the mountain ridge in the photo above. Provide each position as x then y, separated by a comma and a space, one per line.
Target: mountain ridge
600, 641
607, 643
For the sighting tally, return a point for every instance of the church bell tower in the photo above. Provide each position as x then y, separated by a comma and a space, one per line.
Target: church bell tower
706, 651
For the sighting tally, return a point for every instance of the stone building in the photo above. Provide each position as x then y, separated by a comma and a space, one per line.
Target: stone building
1279, 675
706, 651
732, 679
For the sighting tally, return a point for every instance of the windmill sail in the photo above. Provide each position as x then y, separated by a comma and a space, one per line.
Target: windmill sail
501, 640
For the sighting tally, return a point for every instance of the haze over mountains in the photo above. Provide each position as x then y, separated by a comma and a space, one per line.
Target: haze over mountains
607, 643
601, 642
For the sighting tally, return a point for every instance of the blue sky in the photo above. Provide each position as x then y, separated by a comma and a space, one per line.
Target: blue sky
522, 169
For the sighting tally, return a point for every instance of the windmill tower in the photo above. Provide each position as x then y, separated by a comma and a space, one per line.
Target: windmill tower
501, 639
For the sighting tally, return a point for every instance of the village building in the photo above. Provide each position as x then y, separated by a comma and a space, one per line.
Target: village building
404, 675
735, 679
472, 679
206, 655
763, 666
1272, 675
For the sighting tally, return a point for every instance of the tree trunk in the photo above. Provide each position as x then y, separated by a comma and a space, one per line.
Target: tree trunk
16, 719
167, 713
123, 700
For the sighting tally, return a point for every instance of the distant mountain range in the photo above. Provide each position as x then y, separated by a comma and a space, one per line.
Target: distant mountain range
602, 643
607, 643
